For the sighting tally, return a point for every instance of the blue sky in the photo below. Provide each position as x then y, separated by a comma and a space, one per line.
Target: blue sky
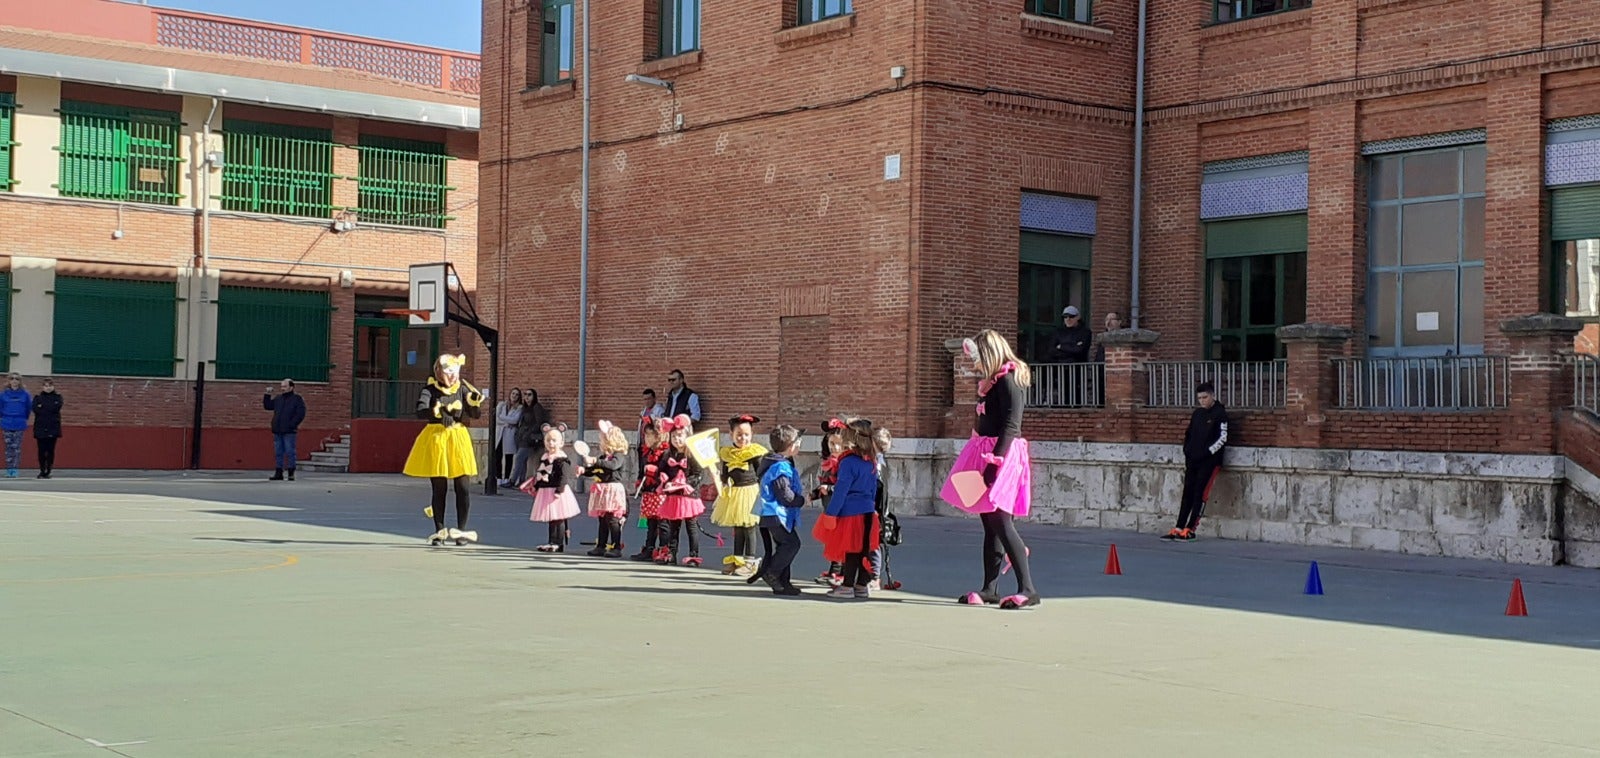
452, 24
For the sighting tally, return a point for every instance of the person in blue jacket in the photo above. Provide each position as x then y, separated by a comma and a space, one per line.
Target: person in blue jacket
288, 410
849, 529
15, 406
779, 505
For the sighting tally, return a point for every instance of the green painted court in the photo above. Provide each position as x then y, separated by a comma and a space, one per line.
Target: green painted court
215, 615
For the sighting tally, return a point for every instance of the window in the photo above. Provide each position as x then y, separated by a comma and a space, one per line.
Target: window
555, 42
1234, 10
680, 27
1066, 10
114, 327
1255, 283
403, 182
271, 334
8, 107
110, 152
812, 11
282, 170
1052, 273
1425, 227
1575, 253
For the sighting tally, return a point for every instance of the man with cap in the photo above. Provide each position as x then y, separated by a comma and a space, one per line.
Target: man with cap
1070, 343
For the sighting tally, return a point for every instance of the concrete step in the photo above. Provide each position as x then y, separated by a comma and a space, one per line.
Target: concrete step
342, 459
322, 466
342, 448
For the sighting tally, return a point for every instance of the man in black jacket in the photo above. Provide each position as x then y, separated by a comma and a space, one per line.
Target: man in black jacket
1070, 342
288, 410
1203, 445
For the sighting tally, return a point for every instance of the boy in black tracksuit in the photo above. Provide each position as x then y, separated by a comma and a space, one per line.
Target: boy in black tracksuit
1203, 445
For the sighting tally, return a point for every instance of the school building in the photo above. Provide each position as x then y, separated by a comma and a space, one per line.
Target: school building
1375, 224
189, 197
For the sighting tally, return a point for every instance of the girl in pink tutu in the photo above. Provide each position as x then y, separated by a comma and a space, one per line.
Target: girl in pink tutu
998, 451
608, 500
682, 506
553, 501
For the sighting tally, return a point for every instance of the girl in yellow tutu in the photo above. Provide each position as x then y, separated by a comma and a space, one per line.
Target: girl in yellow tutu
736, 507
443, 451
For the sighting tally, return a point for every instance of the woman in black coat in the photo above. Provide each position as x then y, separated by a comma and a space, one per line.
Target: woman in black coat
47, 426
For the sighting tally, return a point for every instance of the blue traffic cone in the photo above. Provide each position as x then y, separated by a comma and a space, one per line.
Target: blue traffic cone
1314, 581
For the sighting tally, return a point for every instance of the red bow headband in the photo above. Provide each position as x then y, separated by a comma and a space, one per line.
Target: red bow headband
832, 425
673, 424
743, 419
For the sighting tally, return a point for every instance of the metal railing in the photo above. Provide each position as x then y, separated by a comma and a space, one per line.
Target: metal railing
404, 187
1067, 385
278, 175
386, 398
1254, 384
114, 153
1449, 383
1586, 383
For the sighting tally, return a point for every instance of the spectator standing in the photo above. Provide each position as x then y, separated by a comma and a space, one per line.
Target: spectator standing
506, 415
15, 407
47, 425
1069, 343
288, 410
681, 401
1203, 445
530, 437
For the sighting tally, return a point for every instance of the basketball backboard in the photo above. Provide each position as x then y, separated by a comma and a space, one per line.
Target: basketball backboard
430, 291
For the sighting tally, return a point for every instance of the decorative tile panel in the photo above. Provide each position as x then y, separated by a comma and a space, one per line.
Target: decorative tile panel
1054, 213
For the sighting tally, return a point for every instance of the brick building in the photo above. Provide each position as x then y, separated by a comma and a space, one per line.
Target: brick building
184, 193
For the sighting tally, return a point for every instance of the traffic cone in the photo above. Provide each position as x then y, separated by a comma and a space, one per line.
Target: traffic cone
1113, 566
1516, 606
1314, 581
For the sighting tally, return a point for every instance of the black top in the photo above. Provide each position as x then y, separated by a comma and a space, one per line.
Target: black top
1207, 435
530, 426
552, 474
675, 463
288, 410
605, 469
47, 415
650, 478
1070, 344
455, 404
1002, 413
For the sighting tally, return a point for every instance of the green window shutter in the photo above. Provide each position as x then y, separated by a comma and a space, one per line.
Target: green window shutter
1575, 213
1056, 250
272, 334
1256, 236
114, 327
5, 320
115, 153
8, 109
277, 169
404, 182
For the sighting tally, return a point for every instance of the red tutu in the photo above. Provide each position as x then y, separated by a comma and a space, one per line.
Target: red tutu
650, 504
840, 535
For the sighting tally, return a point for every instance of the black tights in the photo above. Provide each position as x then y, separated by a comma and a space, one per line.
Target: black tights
610, 532
47, 454
858, 564
670, 532
558, 533
652, 532
1000, 539
441, 486
744, 538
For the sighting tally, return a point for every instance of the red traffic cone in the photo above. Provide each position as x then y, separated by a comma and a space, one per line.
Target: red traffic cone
1516, 606
1113, 566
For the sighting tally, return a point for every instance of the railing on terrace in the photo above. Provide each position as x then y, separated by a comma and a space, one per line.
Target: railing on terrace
1450, 383
1067, 385
1255, 384
386, 398
428, 67
1586, 383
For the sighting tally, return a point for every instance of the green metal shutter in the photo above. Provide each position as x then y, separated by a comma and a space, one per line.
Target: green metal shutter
277, 169
8, 105
272, 334
1056, 250
1256, 236
404, 182
1575, 213
114, 153
5, 320
114, 327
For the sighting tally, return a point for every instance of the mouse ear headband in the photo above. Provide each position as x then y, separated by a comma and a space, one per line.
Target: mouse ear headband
547, 427
605, 427
969, 349
743, 419
832, 425
452, 361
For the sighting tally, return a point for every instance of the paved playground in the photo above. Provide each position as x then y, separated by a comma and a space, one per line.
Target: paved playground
220, 615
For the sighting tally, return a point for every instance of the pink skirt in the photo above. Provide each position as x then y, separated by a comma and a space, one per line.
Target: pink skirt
608, 498
1012, 488
549, 506
678, 507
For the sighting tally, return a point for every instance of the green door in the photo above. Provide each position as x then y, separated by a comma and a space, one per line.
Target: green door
392, 363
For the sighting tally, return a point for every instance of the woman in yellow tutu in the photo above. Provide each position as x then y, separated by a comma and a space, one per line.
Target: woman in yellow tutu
443, 451
736, 507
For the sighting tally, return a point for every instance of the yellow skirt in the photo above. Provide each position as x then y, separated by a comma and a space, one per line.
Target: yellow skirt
441, 451
737, 507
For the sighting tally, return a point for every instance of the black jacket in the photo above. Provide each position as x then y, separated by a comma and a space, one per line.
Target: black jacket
1070, 344
530, 426
606, 469
288, 410
47, 415
1002, 413
1207, 435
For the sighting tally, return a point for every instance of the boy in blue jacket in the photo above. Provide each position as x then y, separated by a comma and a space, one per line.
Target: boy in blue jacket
779, 507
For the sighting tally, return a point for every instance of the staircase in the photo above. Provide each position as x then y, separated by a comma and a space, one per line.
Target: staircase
334, 456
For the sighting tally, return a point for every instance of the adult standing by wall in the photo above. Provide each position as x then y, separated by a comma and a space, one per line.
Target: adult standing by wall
47, 425
530, 437
288, 410
15, 407
681, 401
506, 415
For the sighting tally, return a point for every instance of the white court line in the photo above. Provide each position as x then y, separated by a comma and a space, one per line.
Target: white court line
98, 743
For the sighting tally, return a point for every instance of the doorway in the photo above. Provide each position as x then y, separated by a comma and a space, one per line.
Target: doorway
392, 364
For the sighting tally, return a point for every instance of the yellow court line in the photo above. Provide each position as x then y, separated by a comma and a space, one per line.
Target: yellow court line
288, 560
120, 556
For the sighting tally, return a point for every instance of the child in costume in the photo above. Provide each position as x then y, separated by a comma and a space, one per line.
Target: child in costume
682, 506
827, 476
651, 451
997, 450
553, 501
848, 529
741, 490
781, 500
608, 501
443, 451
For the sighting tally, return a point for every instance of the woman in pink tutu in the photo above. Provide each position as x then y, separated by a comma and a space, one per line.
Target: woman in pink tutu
608, 500
553, 501
682, 507
998, 451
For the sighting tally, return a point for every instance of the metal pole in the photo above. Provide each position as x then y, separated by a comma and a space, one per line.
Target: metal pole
583, 234
1138, 167
199, 416
490, 486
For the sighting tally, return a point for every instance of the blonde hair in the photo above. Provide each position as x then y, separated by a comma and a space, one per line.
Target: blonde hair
864, 439
994, 352
614, 441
